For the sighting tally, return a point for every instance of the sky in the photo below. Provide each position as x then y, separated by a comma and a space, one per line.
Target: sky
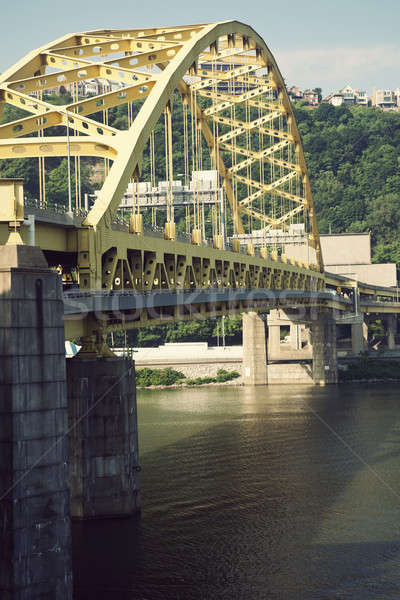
325, 43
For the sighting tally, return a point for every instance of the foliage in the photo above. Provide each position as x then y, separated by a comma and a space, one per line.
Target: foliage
201, 330
222, 377
232, 329
146, 377
57, 183
201, 380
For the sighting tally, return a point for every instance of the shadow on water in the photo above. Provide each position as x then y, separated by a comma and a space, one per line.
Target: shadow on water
266, 503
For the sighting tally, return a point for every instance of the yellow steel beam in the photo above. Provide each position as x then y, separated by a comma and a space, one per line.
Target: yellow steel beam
50, 119
249, 126
82, 73
83, 107
265, 154
109, 46
56, 146
229, 100
269, 187
175, 35
209, 77
257, 155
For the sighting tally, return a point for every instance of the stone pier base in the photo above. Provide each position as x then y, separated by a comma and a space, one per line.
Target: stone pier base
324, 350
104, 470
35, 531
254, 350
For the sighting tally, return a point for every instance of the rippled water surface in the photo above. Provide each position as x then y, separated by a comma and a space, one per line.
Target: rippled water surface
256, 494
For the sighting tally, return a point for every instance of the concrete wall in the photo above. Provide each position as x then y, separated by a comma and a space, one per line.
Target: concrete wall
346, 249
287, 373
337, 249
377, 274
348, 254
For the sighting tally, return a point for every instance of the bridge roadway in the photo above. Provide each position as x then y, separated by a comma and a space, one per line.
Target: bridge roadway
129, 309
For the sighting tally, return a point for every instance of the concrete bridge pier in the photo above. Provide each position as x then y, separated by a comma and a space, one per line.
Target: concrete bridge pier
35, 530
104, 469
274, 335
359, 336
391, 330
254, 350
325, 369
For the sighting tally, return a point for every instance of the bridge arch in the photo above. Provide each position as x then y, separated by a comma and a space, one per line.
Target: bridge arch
177, 52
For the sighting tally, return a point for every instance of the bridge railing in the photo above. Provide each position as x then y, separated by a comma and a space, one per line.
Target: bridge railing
122, 223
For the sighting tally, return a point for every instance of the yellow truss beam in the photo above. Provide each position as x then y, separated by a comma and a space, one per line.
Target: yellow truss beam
265, 155
269, 187
242, 126
210, 77
281, 221
260, 192
83, 107
81, 73
56, 146
229, 100
256, 155
50, 119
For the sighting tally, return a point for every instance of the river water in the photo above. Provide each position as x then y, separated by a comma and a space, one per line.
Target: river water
279, 492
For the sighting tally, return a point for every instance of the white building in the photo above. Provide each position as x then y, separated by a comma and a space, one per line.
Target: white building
348, 96
384, 98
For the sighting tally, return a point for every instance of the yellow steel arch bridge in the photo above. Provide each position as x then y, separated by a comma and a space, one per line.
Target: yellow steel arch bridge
237, 121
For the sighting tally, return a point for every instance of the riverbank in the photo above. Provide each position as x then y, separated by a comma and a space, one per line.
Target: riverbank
361, 370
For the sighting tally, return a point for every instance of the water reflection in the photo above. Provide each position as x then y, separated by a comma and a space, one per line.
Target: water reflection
254, 493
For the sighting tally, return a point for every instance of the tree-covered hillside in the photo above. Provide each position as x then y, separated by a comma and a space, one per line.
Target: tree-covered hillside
353, 158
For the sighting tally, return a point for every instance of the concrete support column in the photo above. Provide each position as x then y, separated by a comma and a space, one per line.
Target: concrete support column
35, 529
274, 335
274, 341
307, 335
295, 336
391, 324
359, 337
324, 350
103, 437
254, 350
